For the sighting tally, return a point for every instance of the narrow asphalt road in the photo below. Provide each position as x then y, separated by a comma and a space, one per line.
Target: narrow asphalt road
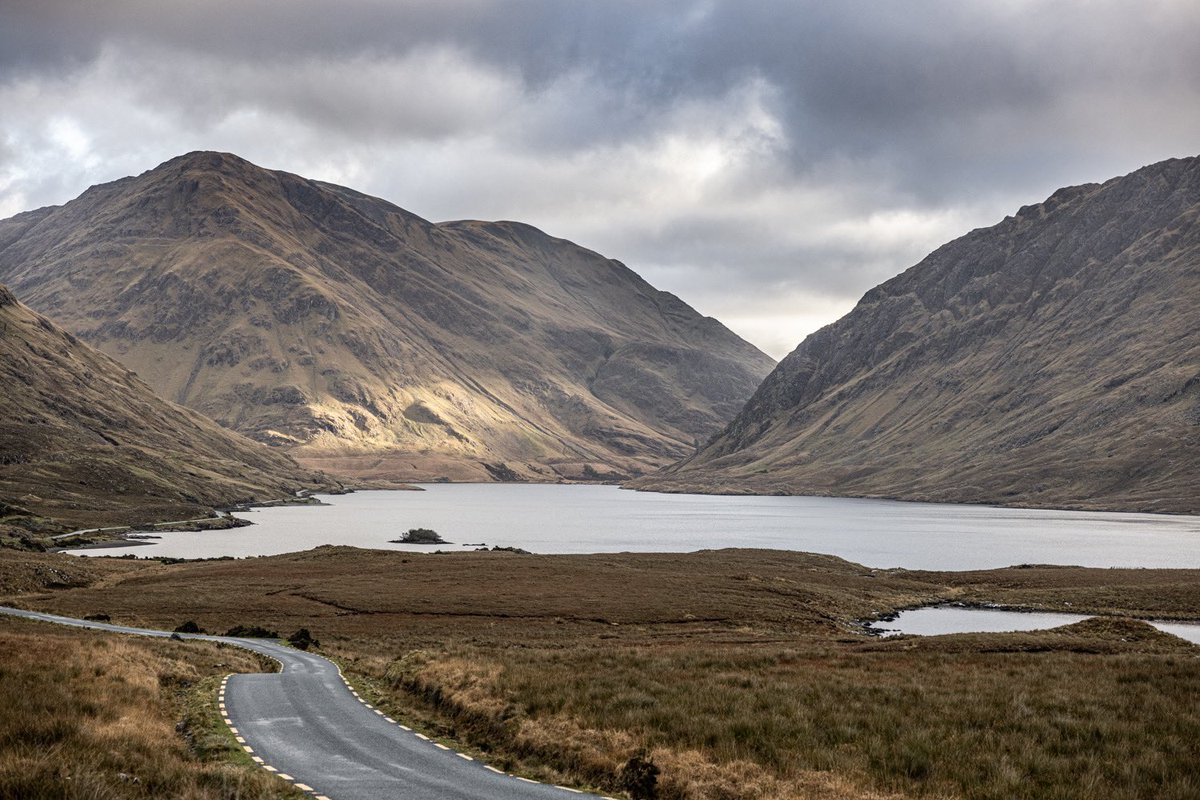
308, 725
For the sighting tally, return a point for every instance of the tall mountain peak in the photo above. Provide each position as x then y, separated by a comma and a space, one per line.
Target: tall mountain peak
372, 341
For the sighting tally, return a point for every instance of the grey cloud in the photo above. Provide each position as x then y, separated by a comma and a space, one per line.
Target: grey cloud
716, 255
912, 83
564, 114
429, 95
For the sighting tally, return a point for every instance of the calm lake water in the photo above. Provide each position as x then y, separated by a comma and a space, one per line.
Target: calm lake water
954, 619
604, 519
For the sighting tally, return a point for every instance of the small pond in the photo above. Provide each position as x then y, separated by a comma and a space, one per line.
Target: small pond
936, 620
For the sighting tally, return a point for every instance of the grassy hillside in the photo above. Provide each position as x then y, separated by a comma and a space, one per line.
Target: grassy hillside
84, 442
1052, 360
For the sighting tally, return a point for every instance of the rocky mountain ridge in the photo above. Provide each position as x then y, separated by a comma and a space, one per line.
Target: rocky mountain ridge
1050, 360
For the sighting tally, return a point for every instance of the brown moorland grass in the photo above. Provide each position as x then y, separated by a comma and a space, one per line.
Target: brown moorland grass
1089, 711
738, 673
95, 715
1146, 593
494, 595
22, 572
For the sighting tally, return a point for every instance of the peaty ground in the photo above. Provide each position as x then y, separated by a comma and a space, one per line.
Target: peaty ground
736, 673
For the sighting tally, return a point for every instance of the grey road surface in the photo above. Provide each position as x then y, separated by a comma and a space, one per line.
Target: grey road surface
307, 724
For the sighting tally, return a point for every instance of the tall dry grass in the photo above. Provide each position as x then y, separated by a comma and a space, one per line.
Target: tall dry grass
96, 716
1103, 712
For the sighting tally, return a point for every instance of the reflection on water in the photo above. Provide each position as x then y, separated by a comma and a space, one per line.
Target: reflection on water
1184, 630
604, 519
956, 619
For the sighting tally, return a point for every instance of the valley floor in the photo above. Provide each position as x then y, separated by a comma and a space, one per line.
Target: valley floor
735, 673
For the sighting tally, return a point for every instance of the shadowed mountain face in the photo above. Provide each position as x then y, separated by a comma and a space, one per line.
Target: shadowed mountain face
372, 341
83, 441
1050, 360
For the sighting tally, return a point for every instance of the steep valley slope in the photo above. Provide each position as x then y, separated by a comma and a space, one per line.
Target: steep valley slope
367, 340
1050, 360
84, 442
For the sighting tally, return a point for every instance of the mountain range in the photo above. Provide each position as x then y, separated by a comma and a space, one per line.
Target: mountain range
369, 341
1050, 360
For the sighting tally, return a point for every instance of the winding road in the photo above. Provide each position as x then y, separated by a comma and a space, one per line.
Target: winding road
307, 725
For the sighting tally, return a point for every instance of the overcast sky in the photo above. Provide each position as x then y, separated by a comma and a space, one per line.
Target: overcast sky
766, 161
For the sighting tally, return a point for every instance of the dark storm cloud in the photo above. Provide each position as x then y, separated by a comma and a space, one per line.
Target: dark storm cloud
915, 84
806, 147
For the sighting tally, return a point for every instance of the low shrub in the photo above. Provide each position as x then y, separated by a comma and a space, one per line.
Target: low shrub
420, 536
252, 632
639, 777
303, 639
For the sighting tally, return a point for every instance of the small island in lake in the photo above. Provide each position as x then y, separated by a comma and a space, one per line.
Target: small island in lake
419, 536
